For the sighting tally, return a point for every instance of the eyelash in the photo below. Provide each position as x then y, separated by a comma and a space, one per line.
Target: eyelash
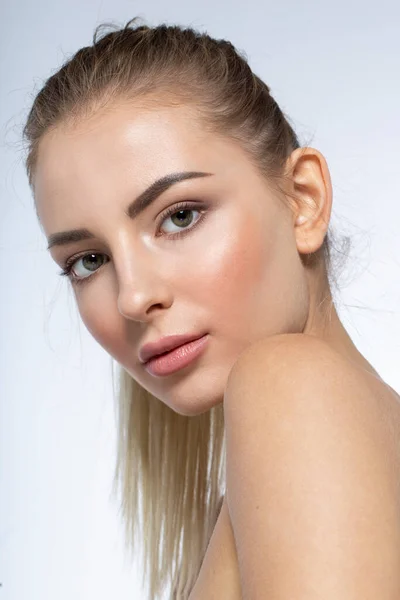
67, 270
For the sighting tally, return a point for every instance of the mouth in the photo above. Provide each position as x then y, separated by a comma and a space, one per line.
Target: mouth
177, 358
164, 345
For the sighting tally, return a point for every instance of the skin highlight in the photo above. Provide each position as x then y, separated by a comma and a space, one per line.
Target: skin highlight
238, 271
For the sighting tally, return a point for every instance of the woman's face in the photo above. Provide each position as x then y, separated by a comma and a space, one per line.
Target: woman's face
234, 272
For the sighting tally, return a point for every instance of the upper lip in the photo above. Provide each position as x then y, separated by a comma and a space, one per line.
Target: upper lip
165, 344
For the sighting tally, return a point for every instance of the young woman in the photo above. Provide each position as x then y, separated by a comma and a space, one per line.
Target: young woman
159, 155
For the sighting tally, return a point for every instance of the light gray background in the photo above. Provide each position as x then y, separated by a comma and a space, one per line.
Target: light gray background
334, 68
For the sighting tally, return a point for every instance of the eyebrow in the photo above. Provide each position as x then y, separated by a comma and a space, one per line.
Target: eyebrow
132, 211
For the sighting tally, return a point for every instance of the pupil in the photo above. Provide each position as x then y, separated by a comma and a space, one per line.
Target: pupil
180, 212
91, 260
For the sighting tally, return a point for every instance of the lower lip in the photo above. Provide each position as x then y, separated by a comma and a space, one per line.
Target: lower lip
177, 358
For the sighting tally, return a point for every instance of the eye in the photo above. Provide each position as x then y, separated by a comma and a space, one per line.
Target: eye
181, 213
89, 261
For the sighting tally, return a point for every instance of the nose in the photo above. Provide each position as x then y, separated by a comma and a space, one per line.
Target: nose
141, 280
139, 304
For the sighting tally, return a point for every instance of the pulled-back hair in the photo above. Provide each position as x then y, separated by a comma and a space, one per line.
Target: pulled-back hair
170, 468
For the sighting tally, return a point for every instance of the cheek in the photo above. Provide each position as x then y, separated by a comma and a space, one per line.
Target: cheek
98, 311
231, 269
249, 279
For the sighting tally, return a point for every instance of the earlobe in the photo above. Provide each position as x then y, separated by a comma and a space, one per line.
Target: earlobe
309, 240
310, 237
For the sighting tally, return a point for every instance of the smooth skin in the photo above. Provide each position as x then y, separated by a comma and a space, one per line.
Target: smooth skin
313, 492
219, 577
237, 272
313, 463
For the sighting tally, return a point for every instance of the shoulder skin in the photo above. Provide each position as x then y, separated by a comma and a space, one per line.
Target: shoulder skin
311, 492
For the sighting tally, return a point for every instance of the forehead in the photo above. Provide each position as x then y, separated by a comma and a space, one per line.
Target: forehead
121, 136
125, 147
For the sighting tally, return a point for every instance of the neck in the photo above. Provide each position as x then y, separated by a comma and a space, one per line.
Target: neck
323, 321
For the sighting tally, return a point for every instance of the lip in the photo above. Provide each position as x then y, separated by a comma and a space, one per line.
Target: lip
176, 359
165, 344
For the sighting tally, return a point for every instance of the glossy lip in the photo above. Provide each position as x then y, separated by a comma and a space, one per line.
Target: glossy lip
165, 344
176, 359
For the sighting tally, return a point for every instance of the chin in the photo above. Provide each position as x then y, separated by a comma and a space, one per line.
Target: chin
194, 409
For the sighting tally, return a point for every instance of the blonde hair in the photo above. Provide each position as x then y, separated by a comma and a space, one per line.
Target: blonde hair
170, 469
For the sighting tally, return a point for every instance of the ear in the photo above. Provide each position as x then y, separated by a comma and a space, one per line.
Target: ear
311, 188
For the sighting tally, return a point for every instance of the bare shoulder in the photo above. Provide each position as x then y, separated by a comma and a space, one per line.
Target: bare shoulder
312, 474
309, 372
278, 352
284, 368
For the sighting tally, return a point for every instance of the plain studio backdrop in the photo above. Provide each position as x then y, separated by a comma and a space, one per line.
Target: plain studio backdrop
334, 69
